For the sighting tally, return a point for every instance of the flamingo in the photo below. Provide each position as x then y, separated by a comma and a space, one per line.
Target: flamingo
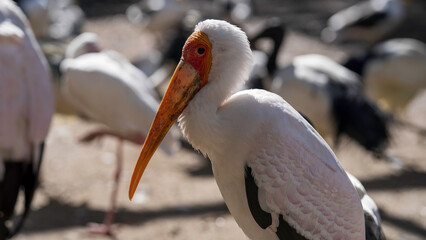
26, 109
278, 177
107, 88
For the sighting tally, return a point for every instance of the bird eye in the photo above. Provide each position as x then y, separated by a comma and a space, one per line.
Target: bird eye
201, 51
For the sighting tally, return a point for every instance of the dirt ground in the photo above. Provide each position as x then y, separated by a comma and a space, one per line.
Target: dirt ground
178, 197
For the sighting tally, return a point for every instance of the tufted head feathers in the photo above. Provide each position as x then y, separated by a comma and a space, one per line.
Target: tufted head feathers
231, 53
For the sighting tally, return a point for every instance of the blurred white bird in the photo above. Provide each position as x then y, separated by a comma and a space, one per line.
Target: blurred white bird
162, 15
53, 19
109, 89
278, 177
159, 15
393, 72
368, 21
332, 97
26, 109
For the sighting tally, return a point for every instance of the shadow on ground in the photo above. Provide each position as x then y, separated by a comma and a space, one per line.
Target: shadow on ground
409, 178
403, 224
63, 215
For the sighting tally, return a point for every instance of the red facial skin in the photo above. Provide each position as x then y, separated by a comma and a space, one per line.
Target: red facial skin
201, 60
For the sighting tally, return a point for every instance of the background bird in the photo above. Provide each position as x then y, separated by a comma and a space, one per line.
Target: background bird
265, 62
77, 178
26, 109
278, 177
107, 88
393, 72
58, 19
158, 64
332, 97
367, 21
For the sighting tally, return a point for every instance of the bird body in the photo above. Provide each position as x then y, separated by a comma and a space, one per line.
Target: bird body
305, 79
27, 104
396, 72
108, 88
367, 21
332, 97
26, 109
276, 174
281, 162
57, 19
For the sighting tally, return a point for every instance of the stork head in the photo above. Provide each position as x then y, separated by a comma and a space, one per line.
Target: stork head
216, 54
84, 43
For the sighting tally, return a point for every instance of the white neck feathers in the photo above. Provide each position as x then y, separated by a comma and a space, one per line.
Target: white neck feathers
231, 65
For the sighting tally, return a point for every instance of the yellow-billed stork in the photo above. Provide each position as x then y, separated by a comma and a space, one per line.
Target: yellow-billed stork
26, 109
278, 177
106, 87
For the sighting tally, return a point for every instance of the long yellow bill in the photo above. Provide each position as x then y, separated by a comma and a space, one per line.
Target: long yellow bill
183, 86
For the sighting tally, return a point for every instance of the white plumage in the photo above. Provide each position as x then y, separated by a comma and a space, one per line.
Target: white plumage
84, 43
53, 19
396, 72
293, 167
26, 97
108, 88
333, 99
26, 109
305, 85
300, 181
158, 15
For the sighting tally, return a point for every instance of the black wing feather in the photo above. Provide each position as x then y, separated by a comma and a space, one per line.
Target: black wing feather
262, 218
285, 231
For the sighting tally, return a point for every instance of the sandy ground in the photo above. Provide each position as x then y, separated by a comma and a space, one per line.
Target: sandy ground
178, 197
